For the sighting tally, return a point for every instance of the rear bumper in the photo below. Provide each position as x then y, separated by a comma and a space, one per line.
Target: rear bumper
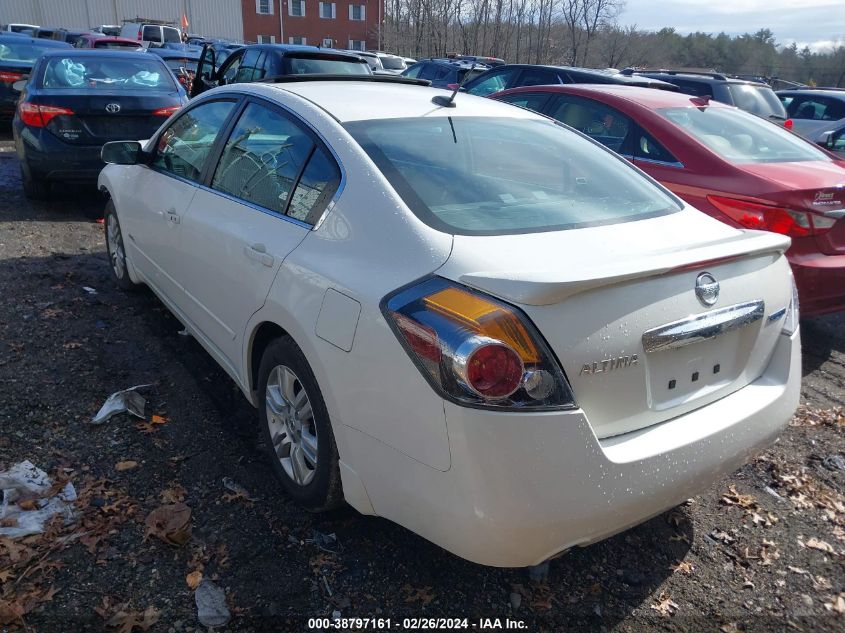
49, 158
525, 487
821, 282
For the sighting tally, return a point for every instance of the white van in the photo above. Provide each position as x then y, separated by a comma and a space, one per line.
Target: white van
151, 33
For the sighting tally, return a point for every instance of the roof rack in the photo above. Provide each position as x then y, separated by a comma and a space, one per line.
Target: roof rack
379, 79
150, 21
665, 71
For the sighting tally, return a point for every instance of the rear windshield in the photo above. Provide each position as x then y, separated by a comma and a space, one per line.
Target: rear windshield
23, 52
105, 73
740, 137
326, 66
393, 63
759, 100
494, 176
172, 35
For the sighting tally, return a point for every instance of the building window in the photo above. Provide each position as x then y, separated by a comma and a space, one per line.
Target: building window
328, 10
328, 42
264, 7
300, 41
357, 12
296, 8
266, 39
357, 45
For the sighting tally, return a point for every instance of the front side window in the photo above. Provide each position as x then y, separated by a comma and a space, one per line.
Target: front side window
838, 141
249, 64
816, 108
493, 82
538, 77
328, 10
494, 176
740, 137
357, 12
233, 65
413, 71
183, 148
296, 8
106, 73
598, 121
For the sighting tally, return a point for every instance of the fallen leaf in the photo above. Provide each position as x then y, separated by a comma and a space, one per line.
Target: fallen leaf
820, 545
683, 567
158, 419
11, 611
13, 550
127, 465
171, 523
72, 345
174, 493
836, 604
732, 497
127, 621
194, 579
664, 605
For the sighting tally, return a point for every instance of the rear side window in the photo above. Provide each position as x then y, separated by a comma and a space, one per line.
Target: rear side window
647, 148
537, 77
493, 82
598, 121
152, 34
695, 88
495, 176
249, 63
816, 108
413, 71
271, 162
183, 148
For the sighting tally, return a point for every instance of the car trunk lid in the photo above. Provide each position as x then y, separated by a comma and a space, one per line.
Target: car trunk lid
618, 306
106, 115
817, 187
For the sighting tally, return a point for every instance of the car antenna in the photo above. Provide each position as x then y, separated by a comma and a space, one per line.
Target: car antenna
449, 102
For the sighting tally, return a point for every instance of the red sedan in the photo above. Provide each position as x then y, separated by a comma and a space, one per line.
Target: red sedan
730, 164
94, 40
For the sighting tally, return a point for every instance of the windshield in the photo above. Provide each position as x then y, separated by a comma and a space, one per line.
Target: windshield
105, 73
759, 100
118, 45
740, 137
23, 52
326, 66
493, 176
393, 63
468, 75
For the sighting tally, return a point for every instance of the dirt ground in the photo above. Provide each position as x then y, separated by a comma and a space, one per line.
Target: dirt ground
761, 551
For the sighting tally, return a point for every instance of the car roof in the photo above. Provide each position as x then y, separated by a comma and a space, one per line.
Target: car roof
836, 93
456, 63
368, 100
696, 76
299, 48
646, 97
37, 40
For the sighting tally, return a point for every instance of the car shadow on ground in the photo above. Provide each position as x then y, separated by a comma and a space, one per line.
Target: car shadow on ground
820, 338
76, 348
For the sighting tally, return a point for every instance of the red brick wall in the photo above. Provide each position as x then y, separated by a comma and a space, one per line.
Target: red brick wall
312, 26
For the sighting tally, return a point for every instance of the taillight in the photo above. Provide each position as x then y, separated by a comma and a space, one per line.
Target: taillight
476, 350
140, 32
10, 78
767, 217
168, 111
35, 115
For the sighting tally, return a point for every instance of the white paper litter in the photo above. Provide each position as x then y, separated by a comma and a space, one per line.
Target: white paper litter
25, 480
126, 401
211, 605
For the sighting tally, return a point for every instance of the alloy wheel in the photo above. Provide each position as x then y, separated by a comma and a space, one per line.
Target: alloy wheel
115, 247
293, 430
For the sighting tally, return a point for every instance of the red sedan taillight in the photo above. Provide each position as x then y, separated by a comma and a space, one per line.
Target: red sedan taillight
35, 115
10, 78
166, 112
766, 217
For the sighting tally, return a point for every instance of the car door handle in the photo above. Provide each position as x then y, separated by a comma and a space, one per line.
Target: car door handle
172, 216
259, 253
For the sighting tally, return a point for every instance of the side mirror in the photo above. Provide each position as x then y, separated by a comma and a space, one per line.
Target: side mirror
20, 84
122, 153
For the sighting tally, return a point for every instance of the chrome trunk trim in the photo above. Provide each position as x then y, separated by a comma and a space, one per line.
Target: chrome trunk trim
703, 327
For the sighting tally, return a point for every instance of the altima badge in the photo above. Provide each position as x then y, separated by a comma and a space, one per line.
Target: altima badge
113, 108
609, 364
707, 289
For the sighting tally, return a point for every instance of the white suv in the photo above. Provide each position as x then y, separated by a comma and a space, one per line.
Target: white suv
470, 320
151, 33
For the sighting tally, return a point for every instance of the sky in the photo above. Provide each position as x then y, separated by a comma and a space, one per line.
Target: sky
819, 24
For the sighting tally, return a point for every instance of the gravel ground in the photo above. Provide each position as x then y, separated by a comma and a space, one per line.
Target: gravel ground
761, 551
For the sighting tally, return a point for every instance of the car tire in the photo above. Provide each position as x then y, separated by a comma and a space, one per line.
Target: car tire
301, 448
115, 249
34, 188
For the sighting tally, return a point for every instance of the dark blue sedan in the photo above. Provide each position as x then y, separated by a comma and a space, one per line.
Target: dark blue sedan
77, 100
17, 56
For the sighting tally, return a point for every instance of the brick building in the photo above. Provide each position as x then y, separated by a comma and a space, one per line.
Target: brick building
354, 24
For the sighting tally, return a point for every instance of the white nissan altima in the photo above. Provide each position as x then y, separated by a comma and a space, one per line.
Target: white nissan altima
462, 317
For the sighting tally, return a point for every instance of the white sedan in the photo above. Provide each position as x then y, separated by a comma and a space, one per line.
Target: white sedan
470, 320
